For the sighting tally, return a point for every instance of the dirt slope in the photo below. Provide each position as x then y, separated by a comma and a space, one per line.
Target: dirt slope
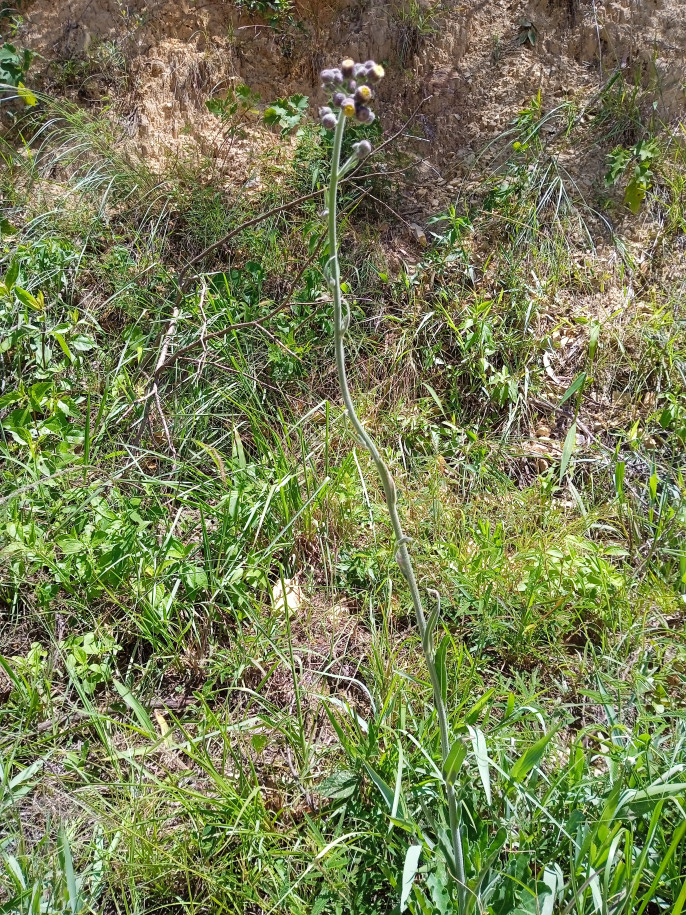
479, 61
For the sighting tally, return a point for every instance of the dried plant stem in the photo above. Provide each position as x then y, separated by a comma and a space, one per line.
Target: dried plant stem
341, 321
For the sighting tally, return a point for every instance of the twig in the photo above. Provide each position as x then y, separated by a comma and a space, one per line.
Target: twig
158, 404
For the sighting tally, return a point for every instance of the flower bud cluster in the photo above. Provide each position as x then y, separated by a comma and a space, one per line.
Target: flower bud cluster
350, 85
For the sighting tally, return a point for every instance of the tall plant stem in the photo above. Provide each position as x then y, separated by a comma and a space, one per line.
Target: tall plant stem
341, 320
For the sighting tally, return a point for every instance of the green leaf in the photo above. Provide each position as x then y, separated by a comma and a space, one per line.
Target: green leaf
482, 761
67, 865
634, 195
339, 786
441, 669
454, 760
381, 785
578, 382
434, 396
620, 470
135, 706
409, 871
6, 228
475, 710
567, 450
63, 345
530, 758
12, 272
593, 340
27, 299
8, 399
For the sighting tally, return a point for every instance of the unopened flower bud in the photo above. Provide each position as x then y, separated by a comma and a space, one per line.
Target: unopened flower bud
327, 77
324, 110
339, 98
358, 70
375, 74
348, 107
368, 64
329, 121
362, 149
365, 115
363, 94
347, 67
352, 85
337, 77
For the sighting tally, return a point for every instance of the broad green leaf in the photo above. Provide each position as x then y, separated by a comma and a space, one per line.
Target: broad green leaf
381, 785
634, 195
26, 298
454, 761
567, 451
8, 399
339, 786
530, 758
12, 272
70, 546
6, 228
409, 871
482, 761
63, 345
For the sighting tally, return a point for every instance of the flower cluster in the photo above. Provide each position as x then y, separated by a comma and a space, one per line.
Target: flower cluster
350, 85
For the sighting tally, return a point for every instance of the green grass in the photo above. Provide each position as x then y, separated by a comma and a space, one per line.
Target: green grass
174, 737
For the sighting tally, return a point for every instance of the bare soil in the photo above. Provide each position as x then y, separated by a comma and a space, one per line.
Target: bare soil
476, 63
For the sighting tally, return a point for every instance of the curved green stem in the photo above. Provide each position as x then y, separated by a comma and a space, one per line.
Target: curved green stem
403, 554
